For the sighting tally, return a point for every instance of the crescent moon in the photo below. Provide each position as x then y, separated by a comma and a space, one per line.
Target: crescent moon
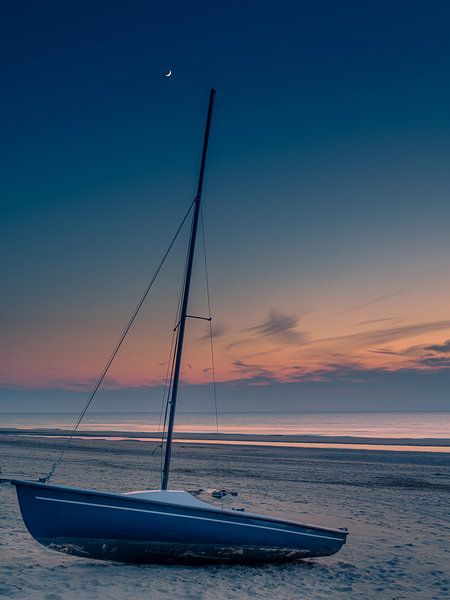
169, 73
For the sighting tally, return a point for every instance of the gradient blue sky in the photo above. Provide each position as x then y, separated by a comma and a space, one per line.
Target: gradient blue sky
326, 199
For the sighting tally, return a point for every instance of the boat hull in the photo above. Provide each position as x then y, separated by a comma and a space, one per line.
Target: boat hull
119, 527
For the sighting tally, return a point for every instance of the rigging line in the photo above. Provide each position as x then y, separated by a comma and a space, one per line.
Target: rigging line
117, 347
166, 383
208, 296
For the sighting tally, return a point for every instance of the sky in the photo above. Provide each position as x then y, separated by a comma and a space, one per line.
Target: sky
325, 202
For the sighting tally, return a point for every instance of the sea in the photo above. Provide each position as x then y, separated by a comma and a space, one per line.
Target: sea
416, 425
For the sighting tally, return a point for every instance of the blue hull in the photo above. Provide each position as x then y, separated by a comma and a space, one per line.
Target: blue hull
118, 527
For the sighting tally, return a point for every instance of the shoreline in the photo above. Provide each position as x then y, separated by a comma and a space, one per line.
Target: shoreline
289, 441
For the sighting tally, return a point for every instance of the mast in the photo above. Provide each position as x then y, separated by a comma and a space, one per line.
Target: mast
185, 300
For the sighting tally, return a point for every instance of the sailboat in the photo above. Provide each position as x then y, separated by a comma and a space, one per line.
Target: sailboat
164, 525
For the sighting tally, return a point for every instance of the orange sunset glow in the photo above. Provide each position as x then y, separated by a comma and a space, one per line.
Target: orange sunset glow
391, 332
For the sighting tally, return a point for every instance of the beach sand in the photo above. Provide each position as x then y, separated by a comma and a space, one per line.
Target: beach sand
395, 504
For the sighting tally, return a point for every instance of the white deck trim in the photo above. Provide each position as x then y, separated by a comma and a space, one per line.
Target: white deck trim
185, 517
173, 497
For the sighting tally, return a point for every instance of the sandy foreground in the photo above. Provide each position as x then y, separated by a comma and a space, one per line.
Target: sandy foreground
395, 504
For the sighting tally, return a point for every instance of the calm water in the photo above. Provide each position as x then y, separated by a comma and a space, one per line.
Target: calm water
376, 425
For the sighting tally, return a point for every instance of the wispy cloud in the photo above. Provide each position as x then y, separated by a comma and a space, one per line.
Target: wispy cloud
241, 342
253, 372
275, 323
383, 351
430, 356
436, 361
82, 384
374, 321
263, 353
218, 330
280, 325
370, 302
375, 337
445, 347
350, 371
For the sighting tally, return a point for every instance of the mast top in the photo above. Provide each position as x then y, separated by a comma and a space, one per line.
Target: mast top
212, 94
